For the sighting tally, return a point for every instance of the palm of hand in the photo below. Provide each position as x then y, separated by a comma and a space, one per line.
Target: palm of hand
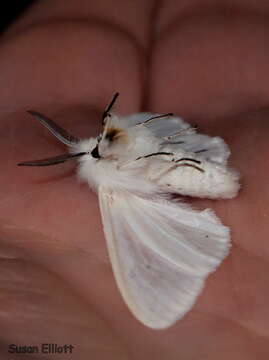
55, 275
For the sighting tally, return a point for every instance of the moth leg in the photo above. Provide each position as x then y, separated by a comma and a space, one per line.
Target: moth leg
164, 172
190, 165
155, 117
193, 166
171, 168
188, 159
155, 154
120, 167
180, 132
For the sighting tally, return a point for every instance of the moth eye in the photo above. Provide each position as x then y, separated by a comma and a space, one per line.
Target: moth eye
95, 153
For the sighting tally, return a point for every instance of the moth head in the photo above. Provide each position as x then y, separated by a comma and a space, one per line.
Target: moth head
112, 143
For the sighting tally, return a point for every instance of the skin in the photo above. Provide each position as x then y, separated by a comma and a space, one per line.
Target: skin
204, 61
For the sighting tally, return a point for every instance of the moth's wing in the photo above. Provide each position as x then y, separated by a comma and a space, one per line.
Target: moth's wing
161, 253
204, 146
205, 179
160, 127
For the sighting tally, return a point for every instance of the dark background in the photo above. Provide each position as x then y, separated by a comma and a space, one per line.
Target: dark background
11, 11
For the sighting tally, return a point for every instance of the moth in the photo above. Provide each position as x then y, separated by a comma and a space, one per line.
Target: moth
161, 250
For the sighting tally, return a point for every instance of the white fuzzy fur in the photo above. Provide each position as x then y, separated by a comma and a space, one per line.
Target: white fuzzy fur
119, 167
161, 252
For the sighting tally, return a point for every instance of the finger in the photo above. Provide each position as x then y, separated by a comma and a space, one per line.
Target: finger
203, 61
67, 70
50, 312
195, 72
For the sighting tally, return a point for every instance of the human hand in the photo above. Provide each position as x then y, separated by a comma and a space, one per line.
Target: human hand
66, 60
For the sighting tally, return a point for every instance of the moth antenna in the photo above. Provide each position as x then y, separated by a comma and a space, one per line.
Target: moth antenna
52, 160
60, 133
165, 172
155, 117
109, 107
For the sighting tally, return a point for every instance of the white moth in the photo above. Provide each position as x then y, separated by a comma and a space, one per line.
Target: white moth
161, 251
